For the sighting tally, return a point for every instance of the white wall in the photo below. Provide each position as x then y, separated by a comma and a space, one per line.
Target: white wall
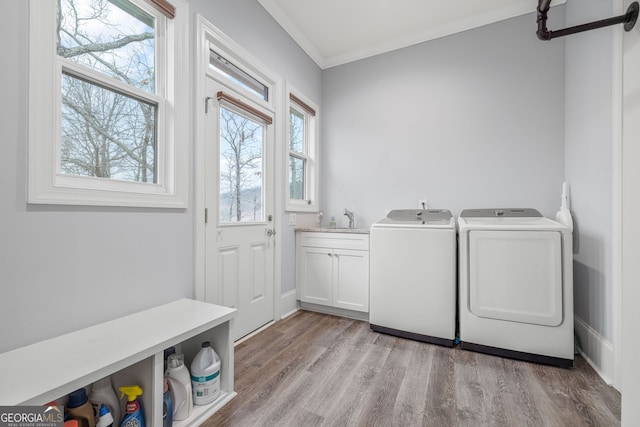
589, 170
471, 120
64, 268
631, 229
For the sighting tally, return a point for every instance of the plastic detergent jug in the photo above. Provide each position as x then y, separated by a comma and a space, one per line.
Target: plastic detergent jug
180, 386
134, 416
167, 405
79, 408
205, 375
102, 392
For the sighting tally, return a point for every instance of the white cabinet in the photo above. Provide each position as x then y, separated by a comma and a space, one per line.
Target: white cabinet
129, 349
332, 269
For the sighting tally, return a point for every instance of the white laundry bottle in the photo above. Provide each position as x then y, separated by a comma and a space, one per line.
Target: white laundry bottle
180, 387
102, 392
205, 375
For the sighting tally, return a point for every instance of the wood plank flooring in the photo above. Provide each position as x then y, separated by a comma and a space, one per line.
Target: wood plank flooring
313, 369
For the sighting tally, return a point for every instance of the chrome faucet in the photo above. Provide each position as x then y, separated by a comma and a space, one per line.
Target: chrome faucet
349, 215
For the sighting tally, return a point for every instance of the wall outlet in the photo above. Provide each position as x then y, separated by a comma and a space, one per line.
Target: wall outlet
423, 204
292, 219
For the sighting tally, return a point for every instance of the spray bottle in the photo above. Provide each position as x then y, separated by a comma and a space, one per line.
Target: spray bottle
563, 216
134, 416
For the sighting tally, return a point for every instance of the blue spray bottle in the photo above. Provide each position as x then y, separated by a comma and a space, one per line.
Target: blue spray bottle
134, 416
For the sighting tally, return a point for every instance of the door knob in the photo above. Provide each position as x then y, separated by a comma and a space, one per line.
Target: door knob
270, 232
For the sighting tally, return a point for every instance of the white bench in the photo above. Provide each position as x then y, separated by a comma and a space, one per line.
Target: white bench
130, 349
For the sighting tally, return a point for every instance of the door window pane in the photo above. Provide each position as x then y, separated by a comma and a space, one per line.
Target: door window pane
106, 134
241, 168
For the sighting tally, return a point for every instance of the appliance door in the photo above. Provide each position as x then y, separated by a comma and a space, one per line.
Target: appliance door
516, 276
412, 280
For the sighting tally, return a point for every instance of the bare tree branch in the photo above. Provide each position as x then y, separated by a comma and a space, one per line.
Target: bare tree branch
69, 52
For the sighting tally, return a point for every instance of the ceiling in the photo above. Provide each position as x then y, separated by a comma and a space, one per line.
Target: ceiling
335, 32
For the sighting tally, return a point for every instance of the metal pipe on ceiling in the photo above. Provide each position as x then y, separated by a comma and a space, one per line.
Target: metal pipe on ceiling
628, 19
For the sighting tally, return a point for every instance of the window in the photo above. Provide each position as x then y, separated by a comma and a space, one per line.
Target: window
242, 149
237, 76
108, 126
302, 133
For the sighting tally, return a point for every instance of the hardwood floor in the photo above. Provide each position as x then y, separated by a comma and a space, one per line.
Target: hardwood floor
318, 370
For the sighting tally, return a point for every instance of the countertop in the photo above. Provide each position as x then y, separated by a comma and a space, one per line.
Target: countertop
334, 230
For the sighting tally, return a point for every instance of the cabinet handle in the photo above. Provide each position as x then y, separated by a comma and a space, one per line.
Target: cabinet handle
329, 254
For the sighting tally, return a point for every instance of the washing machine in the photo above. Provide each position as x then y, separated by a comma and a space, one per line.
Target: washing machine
412, 259
515, 295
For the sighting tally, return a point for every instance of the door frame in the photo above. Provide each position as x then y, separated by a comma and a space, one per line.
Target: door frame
206, 34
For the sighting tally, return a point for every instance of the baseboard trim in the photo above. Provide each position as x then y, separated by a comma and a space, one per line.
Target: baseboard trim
288, 304
596, 350
335, 311
254, 333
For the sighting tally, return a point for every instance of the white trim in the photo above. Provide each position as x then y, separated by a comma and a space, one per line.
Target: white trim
596, 350
254, 333
202, 62
616, 239
288, 303
312, 168
324, 62
243, 59
45, 185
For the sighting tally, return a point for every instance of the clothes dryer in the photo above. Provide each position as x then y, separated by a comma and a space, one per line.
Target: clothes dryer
412, 258
516, 284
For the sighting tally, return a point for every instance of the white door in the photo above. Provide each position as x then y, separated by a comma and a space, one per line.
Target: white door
239, 201
351, 279
316, 266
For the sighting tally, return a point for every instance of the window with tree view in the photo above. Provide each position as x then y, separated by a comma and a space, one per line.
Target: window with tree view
241, 163
110, 109
302, 148
297, 154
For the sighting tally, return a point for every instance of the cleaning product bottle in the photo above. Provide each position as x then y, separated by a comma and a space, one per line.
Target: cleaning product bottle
134, 416
105, 419
180, 386
168, 352
102, 392
167, 405
564, 214
79, 408
205, 375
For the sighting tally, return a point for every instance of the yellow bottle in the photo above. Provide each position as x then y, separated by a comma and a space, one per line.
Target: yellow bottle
134, 416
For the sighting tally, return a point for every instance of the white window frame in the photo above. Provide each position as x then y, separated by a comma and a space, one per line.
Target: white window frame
312, 138
45, 184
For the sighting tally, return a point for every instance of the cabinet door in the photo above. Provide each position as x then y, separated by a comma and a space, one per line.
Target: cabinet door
316, 266
351, 279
